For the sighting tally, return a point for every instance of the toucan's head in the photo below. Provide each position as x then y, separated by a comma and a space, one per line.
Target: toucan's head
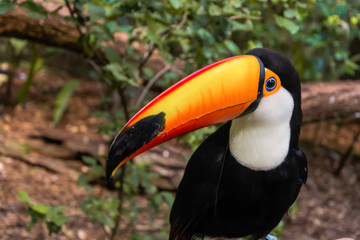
225, 90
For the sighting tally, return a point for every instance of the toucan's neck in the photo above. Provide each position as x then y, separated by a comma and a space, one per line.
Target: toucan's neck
261, 140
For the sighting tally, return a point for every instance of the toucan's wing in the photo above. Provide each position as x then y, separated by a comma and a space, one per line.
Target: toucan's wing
301, 163
197, 193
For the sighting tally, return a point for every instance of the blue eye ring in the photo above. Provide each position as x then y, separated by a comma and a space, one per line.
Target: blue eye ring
270, 84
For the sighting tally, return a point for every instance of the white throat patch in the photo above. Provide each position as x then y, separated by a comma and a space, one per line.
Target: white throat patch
260, 140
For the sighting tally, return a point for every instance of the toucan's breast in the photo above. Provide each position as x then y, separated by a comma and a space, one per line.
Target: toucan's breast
260, 140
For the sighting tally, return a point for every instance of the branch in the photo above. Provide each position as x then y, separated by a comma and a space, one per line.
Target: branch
53, 32
147, 56
157, 76
331, 101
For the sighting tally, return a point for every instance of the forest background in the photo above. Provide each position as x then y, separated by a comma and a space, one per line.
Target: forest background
73, 72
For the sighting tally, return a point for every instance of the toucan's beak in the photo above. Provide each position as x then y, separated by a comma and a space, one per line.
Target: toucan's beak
219, 92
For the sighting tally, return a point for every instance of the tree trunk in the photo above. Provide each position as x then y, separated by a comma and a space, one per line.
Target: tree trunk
331, 101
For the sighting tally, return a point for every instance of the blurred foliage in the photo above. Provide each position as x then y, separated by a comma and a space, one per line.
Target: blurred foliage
12, 50
36, 64
52, 216
62, 99
106, 209
21, 54
195, 138
314, 35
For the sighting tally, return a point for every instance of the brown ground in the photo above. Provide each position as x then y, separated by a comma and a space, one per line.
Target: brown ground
328, 206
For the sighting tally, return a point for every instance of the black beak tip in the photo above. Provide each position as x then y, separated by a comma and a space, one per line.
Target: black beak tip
111, 163
132, 139
108, 171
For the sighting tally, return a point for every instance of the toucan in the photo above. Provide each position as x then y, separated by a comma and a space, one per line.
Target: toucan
244, 177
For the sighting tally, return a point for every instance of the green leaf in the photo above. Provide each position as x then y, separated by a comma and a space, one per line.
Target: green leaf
148, 72
83, 180
25, 88
287, 24
40, 208
6, 6
89, 160
301, 5
98, 170
112, 55
168, 197
175, 3
107, 221
38, 65
52, 228
17, 44
155, 26
119, 73
55, 218
117, 70
205, 35
56, 215
100, 114
62, 99
279, 230
33, 9
23, 197
52, 216
35, 65
292, 13
55, 12
30, 224
215, 10
95, 12
232, 47
247, 26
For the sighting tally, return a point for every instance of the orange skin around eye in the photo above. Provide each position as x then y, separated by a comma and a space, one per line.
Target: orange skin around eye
271, 74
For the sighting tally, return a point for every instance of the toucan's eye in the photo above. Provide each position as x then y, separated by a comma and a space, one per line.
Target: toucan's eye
270, 84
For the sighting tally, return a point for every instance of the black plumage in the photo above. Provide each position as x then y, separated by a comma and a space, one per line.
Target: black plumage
245, 176
219, 197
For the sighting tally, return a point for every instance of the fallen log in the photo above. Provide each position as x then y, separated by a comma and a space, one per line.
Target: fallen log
339, 101
12, 148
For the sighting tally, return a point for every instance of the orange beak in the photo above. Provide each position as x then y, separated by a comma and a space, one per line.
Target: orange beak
219, 92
